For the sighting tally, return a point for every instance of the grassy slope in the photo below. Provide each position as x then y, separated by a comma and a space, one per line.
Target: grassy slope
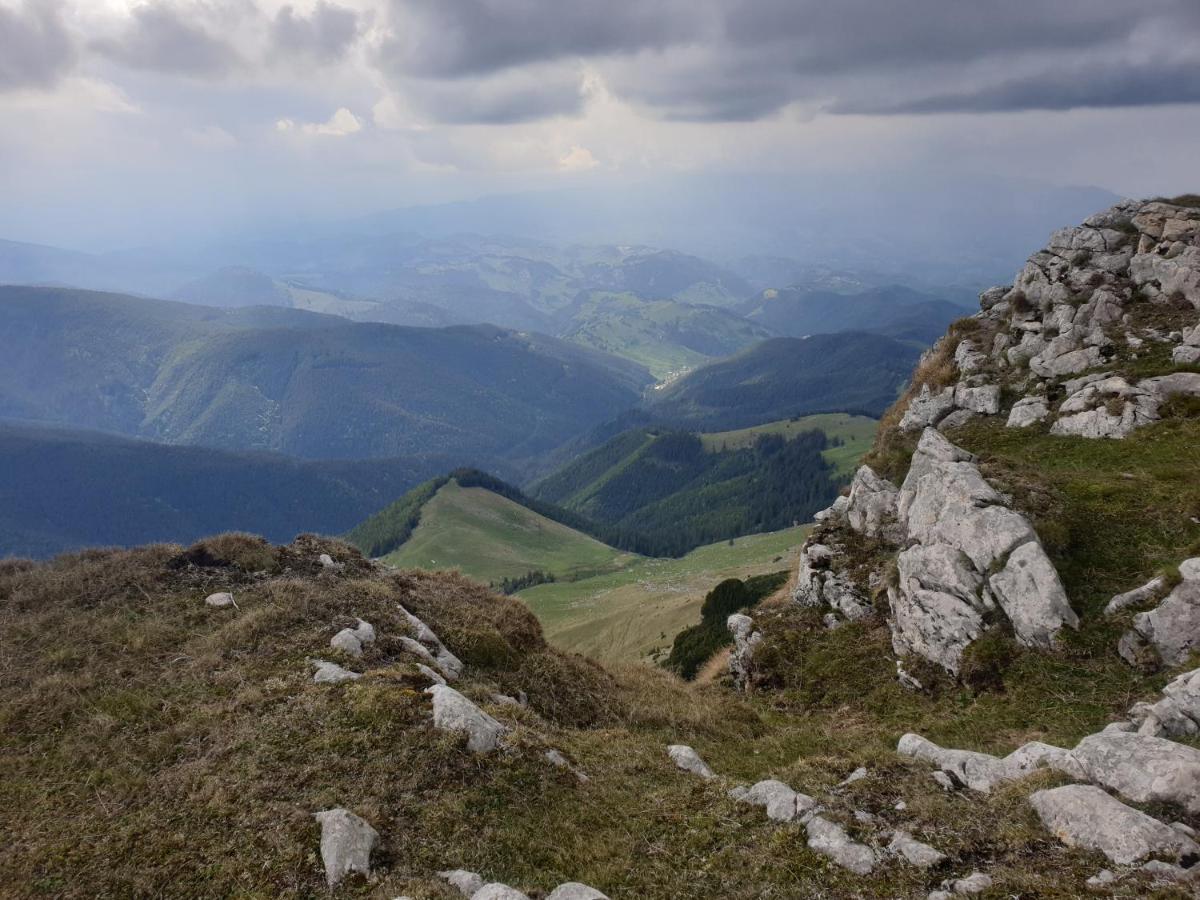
488, 537
857, 433
631, 614
151, 746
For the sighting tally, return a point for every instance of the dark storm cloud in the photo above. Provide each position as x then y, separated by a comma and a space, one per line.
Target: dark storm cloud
738, 60
521, 95
453, 38
1100, 86
161, 38
35, 49
322, 37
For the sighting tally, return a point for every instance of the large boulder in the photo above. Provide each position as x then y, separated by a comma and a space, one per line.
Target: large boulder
1085, 816
1144, 768
346, 844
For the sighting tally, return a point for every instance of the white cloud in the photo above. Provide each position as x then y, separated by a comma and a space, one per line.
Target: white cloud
341, 123
580, 159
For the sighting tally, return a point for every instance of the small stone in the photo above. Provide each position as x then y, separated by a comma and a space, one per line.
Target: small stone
857, 775
497, 891
222, 599
830, 839
975, 883
555, 758
1103, 878
346, 641
914, 852
346, 844
574, 890
331, 673
689, 760
326, 561
454, 712
365, 632
900, 806
466, 882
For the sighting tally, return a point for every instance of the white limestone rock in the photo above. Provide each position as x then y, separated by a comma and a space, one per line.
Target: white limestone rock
435, 677
871, 504
956, 419
1138, 595
781, 802
689, 760
745, 640
220, 600
346, 844
927, 408
933, 625
449, 664
831, 840
1028, 411
1085, 816
574, 890
347, 641
835, 511
1167, 634
1032, 596
331, 673
914, 852
558, 760
455, 713
1176, 715
983, 399
497, 891
467, 883
977, 771
1143, 768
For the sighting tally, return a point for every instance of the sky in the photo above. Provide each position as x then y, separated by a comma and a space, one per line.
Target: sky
132, 121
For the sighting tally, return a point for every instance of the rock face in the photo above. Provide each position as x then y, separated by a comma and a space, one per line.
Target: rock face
689, 760
1087, 817
346, 844
454, 712
1167, 634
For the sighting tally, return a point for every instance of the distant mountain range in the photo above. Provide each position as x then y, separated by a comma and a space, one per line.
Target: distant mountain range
308, 385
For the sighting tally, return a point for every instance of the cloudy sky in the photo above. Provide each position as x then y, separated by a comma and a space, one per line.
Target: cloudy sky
126, 120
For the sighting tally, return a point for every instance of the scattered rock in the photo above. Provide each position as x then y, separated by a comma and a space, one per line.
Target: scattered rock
346, 844
497, 891
782, 803
689, 760
331, 673
454, 712
982, 771
555, 758
1101, 879
857, 775
1167, 634
466, 882
1136, 596
1082, 815
1028, 411
222, 599
429, 673
913, 851
449, 664
573, 890
975, 883
1176, 715
831, 840
346, 641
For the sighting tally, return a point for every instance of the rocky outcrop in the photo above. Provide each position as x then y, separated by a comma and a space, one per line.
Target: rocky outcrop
1085, 816
745, 639
1167, 634
981, 771
346, 844
1176, 715
446, 662
821, 582
871, 504
455, 713
969, 555
1072, 310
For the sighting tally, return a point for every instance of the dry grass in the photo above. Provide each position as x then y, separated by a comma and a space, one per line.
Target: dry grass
153, 746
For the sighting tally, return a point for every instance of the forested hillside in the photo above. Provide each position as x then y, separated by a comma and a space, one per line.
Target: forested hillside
62, 490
